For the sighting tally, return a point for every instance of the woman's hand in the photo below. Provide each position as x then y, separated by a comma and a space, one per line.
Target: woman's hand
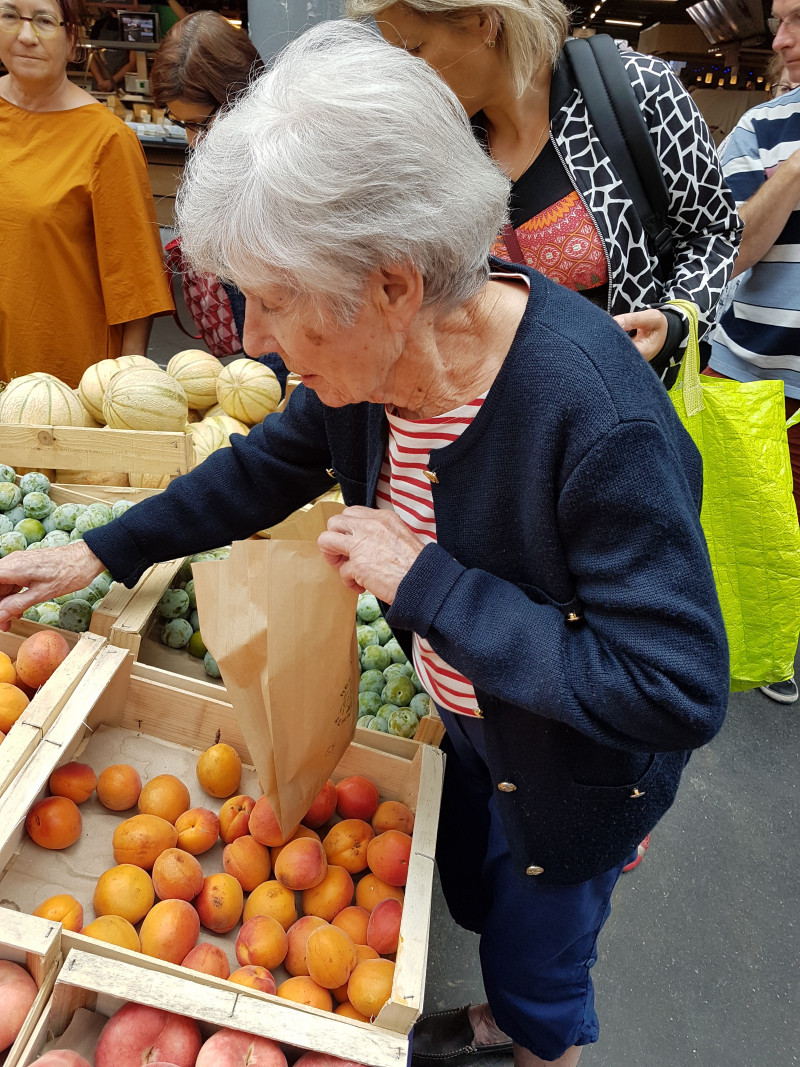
648, 330
371, 548
43, 574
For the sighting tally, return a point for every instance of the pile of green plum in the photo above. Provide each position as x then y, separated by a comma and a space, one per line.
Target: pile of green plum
178, 609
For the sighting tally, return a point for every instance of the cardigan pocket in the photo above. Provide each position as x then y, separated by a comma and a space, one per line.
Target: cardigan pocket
572, 610
633, 790
354, 490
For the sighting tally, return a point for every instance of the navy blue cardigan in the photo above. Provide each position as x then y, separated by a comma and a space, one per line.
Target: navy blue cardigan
570, 583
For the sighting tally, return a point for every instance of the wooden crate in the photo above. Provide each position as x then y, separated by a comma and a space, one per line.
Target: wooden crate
161, 731
34, 944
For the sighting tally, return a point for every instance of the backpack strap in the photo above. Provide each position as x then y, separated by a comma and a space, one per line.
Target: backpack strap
598, 70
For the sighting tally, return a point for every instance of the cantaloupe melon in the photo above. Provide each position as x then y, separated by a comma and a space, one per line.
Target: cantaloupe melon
139, 398
93, 384
228, 424
40, 399
65, 477
149, 481
248, 390
197, 371
136, 361
207, 437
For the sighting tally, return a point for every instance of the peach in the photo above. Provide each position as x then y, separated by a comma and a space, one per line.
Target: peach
346, 844
354, 921
64, 909
370, 986
272, 898
54, 822
323, 807
233, 1048
76, 781
383, 932
139, 1034
330, 956
125, 890
38, 657
264, 826
208, 959
371, 890
254, 977
262, 941
388, 855
297, 940
198, 830
114, 930
219, 903
234, 816
363, 952
323, 1059
248, 861
62, 1057
301, 831
118, 787
141, 840
177, 875
303, 990
349, 1012
165, 796
331, 896
393, 815
219, 770
302, 864
18, 992
170, 930
356, 798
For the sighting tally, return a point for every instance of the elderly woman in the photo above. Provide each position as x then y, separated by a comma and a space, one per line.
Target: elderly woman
519, 491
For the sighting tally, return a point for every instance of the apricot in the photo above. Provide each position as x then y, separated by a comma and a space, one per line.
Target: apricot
356, 798
39, 655
12, 704
76, 781
301, 831
264, 826
198, 830
323, 807
8, 672
371, 889
323, 1059
54, 822
332, 895
297, 941
304, 990
349, 1012
141, 840
18, 992
61, 1057
165, 796
272, 898
118, 787
330, 956
388, 856
393, 815
262, 941
255, 977
139, 1034
219, 903
219, 770
370, 986
363, 952
170, 930
354, 921
124, 890
233, 1048
114, 930
62, 908
248, 861
177, 875
383, 932
346, 844
234, 816
302, 864
208, 959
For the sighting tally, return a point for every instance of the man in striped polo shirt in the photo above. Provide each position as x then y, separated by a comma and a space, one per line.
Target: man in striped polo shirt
759, 334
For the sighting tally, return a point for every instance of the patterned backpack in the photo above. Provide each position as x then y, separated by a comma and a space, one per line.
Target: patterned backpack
207, 302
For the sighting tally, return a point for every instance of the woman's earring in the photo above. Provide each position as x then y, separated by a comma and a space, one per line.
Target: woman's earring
491, 44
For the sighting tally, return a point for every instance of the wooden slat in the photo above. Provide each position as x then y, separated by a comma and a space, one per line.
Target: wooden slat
135, 618
74, 448
88, 494
35, 944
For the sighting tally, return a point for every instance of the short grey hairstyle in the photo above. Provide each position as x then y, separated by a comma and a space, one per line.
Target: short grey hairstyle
347, 156
531, 32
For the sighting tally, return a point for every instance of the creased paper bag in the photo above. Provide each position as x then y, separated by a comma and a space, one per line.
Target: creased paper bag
281, 626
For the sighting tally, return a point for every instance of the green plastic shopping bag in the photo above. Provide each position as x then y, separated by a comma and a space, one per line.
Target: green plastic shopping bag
748, 513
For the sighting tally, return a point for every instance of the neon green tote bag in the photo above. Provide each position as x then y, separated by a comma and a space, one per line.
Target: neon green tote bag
748, 513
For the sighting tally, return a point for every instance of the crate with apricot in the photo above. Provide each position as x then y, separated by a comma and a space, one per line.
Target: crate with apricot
164, 853
29, 960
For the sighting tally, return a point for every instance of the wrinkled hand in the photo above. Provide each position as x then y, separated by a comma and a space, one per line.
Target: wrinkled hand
44, 574
371, 548
648, 329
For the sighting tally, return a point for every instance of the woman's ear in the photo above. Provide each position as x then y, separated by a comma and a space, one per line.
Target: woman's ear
398, 291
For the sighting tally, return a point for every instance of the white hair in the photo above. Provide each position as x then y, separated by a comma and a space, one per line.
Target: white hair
347, 156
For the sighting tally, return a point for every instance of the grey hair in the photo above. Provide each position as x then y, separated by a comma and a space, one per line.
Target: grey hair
531, 32
347, 156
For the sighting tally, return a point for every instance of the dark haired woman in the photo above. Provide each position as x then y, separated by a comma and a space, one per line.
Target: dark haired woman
76, 212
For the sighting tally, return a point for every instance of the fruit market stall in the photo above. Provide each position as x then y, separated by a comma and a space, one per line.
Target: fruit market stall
29, 960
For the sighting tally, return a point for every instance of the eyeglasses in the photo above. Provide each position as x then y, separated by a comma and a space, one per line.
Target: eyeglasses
791, 23
780, 88
44, 26
193, 127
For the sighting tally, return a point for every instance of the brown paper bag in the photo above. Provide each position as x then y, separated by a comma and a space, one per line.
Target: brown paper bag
282, 627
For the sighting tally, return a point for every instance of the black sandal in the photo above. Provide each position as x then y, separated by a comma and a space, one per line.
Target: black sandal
446, 1039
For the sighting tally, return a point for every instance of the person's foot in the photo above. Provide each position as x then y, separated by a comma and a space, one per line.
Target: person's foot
453, 1037
640, 851
784, 692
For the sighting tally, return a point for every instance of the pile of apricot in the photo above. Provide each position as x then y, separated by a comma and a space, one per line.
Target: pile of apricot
37, 658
